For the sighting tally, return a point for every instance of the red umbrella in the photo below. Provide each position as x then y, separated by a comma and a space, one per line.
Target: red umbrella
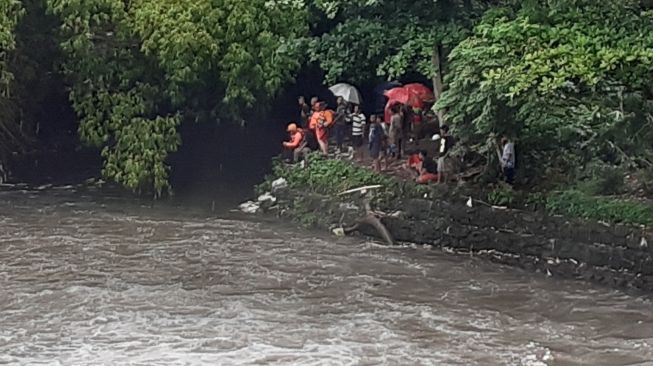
404, 96
424, 93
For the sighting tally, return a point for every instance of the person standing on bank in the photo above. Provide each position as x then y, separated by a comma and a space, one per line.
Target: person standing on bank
507, 159
376, 142
444, 163
395, 132
357, 131
340, 123
320, 123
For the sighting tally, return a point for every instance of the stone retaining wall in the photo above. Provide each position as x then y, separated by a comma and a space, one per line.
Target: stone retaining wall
614, 255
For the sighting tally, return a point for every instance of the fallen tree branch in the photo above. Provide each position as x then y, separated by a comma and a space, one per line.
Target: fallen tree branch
360, 189
371, 218
373, 221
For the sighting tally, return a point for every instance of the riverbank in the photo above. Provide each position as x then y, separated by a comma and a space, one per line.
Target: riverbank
460, 219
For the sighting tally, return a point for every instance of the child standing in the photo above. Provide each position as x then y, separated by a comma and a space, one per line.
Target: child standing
376, 142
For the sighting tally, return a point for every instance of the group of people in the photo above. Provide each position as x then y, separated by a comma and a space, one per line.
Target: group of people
318, 122
386, 140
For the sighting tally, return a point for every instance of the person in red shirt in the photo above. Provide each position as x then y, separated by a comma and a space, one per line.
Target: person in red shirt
297, 144
414, 162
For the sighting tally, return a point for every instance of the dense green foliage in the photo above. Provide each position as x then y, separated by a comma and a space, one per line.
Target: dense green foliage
334, 176
389, 39
569, 79
330, 176
137, 70
10, 13
577, 204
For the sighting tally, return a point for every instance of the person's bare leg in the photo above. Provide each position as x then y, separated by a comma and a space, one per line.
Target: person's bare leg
324, 147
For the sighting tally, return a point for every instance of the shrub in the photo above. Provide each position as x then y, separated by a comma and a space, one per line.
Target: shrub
501, 196
330, 176
579, 204
604, 180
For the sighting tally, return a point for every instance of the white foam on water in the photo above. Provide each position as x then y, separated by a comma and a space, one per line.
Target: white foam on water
82, 284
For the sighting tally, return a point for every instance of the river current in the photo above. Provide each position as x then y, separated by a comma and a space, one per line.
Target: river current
90, 279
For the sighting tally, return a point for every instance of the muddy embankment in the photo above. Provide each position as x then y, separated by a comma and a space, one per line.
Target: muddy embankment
614, 255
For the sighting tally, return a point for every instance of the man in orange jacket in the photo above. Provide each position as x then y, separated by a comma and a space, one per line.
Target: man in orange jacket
297, 144
320, 122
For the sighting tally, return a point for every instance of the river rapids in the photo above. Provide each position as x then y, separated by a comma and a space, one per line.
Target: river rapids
91, 279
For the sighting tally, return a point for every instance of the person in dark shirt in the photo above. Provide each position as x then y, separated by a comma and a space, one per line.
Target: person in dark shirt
376, 142
304, 111
340, 124
428, 170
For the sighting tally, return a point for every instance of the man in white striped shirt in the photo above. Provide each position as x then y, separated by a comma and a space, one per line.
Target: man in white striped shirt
357, 131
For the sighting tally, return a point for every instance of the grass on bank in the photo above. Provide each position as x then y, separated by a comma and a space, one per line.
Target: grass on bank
578, 204
332, 176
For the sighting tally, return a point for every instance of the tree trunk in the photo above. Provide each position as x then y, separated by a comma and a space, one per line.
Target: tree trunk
438, 85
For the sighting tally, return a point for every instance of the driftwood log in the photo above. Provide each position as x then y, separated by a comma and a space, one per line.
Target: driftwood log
371, 218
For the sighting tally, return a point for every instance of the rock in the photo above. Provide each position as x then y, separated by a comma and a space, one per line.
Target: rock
266, 197
338, 231
279, 184
266, 201
249, 207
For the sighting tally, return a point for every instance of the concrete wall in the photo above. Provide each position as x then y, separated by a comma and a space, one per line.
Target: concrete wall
618, 256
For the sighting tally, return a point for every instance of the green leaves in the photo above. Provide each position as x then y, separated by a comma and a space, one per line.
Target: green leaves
376, 39
556, 76
138, 69
574, 203
137, 159
10, 13
330, 176
353, 50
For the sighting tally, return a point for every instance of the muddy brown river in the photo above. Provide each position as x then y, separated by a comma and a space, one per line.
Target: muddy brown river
88, 279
